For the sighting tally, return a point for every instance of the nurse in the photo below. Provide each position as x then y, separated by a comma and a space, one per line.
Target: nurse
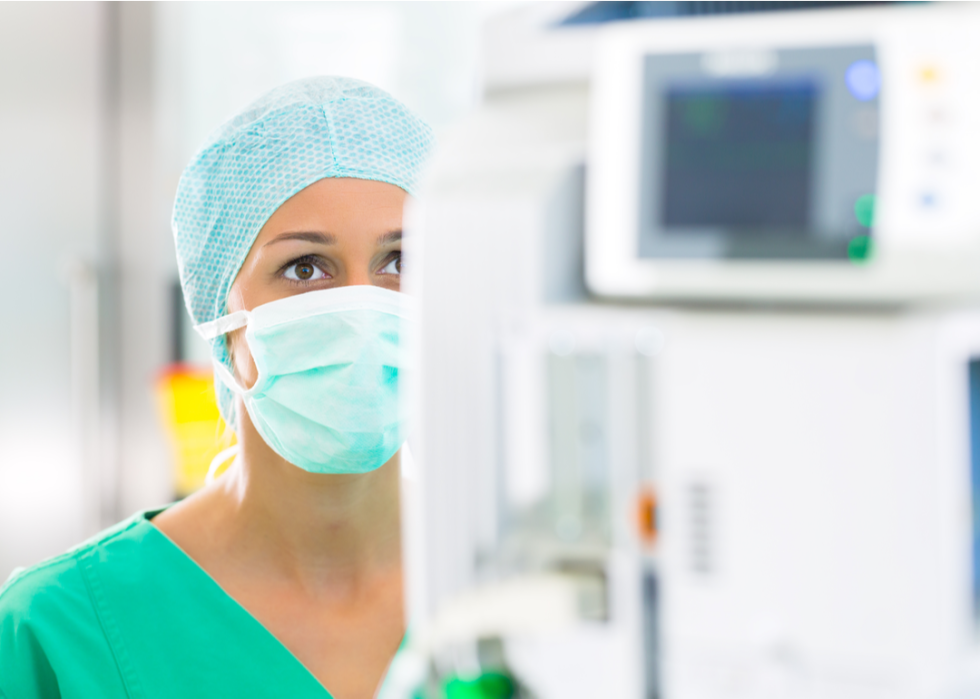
282, 578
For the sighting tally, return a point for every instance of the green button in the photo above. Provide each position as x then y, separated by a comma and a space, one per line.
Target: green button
490, 685
860, 249
864, 210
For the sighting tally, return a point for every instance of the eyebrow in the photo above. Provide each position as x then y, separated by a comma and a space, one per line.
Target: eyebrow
329, 238
389, 237
308, 236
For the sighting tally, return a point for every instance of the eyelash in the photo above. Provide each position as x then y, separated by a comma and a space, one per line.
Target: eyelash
394, 257
315, 261
312, 260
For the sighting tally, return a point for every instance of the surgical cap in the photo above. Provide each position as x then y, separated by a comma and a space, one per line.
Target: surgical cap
295, 135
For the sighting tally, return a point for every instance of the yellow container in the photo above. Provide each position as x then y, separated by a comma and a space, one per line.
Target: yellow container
185, 396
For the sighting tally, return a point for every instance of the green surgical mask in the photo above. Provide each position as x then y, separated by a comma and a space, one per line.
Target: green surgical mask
329, 365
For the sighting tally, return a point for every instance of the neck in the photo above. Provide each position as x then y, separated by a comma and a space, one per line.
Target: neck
325, 531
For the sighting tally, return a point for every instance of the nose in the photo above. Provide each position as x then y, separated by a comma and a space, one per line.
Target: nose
359, 275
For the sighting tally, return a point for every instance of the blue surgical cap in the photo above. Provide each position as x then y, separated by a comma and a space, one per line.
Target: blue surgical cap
295, 135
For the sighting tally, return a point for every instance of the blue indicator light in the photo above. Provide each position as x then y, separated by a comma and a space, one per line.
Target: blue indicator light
863, 80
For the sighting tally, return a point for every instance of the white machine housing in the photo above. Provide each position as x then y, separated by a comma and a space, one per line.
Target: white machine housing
812, 463
929, 146
817, 535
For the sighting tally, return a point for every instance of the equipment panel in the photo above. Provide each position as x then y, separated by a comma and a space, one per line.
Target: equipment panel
809, 157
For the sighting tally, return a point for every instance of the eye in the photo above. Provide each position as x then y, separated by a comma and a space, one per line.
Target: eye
304, 271
393, 267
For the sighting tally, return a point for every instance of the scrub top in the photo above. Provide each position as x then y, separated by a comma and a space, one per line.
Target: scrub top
129, 614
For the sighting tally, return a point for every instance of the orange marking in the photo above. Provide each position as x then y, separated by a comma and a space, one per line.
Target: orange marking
646, 516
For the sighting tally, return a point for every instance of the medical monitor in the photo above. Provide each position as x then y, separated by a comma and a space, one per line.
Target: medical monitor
797, 158
769, 166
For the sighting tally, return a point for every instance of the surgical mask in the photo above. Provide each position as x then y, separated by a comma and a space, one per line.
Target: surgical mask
329, 365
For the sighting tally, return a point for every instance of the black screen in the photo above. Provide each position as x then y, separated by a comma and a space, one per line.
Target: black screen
777, 164
739, 156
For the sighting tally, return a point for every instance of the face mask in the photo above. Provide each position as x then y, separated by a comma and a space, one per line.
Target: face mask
329, 364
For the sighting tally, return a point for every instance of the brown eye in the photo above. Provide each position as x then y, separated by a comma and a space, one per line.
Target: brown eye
303, 272
393, 267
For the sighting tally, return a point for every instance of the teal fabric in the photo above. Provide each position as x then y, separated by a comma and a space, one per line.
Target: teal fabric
297, 134
128, 614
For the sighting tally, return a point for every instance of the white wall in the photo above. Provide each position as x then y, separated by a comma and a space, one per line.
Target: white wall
51, 168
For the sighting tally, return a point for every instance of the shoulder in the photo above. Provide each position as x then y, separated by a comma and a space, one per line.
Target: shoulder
56, 581
29, 592
37, 607
49, 623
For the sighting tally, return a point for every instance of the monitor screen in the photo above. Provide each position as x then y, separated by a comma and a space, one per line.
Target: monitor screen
780, 165
974, 385
739, 155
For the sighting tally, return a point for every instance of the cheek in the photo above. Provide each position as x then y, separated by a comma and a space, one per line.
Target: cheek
391, 281
241, 358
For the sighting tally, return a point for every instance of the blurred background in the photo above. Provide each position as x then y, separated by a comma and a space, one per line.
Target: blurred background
102, 105
700, 412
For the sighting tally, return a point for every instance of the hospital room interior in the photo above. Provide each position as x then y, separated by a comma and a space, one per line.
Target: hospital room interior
687, 346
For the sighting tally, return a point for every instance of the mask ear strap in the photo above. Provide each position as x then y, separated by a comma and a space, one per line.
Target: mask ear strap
227, 378
220, 458
217, 328
224, 324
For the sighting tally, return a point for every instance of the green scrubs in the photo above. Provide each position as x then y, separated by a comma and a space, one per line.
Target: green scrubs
128, 614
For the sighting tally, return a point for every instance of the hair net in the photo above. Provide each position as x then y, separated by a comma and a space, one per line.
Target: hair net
295, 135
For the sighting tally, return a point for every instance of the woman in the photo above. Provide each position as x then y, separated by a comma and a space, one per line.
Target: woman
283, 577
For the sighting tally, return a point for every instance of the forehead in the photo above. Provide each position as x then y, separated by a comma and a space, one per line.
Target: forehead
341, 204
